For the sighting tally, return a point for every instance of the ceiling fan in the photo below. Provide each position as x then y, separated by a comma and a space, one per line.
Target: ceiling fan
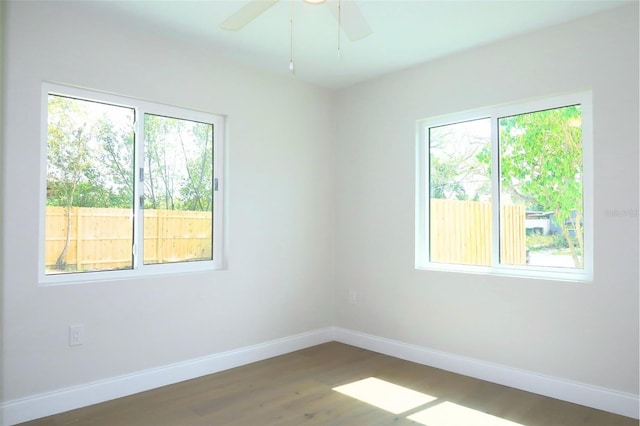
346, 12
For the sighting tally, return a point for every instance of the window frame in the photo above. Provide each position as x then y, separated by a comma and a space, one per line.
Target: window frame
422, 196
140, 107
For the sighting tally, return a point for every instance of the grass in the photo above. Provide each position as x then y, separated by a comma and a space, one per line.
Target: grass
538, 242
557, 243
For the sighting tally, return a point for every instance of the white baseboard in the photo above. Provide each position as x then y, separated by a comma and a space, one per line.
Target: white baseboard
46, 404
591, 396
42, 405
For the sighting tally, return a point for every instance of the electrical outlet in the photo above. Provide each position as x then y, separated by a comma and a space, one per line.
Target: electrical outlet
76, 335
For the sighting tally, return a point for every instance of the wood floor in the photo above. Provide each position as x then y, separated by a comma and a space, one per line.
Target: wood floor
296, 389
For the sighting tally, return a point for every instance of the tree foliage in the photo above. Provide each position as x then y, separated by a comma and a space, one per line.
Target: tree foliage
68, 158
68, 154
90, 160
89, 157
178, 164
541, 164
445, 181
455, 170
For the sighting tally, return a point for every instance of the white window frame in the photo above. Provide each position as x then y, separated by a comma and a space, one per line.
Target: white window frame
422, 257
141, 108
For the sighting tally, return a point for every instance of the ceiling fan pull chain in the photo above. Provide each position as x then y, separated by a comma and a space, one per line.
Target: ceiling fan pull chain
291, 66
339, 26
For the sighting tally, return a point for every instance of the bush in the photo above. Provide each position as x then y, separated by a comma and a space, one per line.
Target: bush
537, 242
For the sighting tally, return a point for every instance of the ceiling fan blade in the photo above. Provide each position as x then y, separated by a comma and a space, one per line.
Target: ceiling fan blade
351, 19
246, 14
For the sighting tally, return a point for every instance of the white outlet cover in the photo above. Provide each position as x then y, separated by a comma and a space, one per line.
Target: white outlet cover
76, 335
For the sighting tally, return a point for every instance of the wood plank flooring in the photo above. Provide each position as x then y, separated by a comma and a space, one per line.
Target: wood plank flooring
296, 389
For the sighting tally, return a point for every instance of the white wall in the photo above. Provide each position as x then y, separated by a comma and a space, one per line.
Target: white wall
280, 206
2, 47
586, 333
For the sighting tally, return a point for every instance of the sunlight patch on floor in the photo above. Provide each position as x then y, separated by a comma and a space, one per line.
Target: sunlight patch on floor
450, 414
387, 396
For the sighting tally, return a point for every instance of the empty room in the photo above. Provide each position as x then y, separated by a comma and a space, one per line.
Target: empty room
287, 212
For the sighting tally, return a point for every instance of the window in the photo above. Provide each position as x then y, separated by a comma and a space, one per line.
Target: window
130, 187
507, 190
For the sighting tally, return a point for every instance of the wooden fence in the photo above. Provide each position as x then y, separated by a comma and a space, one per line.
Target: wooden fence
102, 238
460, 232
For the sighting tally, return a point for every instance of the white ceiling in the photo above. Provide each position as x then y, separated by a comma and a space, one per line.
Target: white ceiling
405, 33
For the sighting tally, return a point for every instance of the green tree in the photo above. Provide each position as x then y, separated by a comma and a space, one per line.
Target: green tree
89, 157
541, 163
197, 186
178, 164
68, 158
90, 160
160, 161
115, 156
445, 180
455, 170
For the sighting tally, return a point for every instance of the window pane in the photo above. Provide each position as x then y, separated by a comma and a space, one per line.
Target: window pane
178, 190
88, 218
460, 193
541, 188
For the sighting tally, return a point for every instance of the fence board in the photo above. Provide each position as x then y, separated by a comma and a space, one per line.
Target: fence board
512, 242
460, 232
102, 238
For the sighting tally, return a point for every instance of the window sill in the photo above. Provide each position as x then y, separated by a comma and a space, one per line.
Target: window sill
129, 274
526, 272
